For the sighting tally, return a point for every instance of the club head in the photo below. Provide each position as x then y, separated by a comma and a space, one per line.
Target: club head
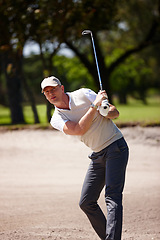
86, 32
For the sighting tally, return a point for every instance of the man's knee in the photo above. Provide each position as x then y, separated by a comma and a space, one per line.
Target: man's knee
84, 204
87, 205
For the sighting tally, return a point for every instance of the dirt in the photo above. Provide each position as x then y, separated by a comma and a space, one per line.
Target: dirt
41, 175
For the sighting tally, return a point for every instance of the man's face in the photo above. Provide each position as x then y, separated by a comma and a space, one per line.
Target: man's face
54, 94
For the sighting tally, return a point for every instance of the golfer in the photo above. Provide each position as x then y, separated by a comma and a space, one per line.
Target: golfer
77, 113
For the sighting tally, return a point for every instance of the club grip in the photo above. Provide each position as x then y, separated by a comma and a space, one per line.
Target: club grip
104, 108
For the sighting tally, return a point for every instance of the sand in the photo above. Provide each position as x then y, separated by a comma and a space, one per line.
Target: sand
41, 175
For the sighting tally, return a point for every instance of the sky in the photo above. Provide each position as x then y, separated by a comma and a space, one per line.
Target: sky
33, 47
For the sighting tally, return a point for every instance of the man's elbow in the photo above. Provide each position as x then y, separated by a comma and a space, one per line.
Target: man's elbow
74, 131
80, 132
113, 114
117, 114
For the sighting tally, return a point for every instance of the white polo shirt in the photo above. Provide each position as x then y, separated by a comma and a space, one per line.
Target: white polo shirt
102, 132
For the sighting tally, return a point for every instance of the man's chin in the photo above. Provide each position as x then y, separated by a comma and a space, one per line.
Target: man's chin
52, 102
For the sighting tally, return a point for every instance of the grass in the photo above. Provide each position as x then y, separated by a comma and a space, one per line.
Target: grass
28, 114
135, 112
4, 115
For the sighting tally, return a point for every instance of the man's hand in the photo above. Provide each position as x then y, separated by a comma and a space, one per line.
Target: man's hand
112, 111
104, 108
102, 95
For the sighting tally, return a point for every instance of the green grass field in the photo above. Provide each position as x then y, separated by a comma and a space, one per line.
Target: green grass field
135, 112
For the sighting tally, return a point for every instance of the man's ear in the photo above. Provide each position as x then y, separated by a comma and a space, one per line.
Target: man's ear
62, 87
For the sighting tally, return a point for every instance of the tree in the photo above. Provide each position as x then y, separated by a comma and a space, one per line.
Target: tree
132, 26
14, 34
12, 62
131, 78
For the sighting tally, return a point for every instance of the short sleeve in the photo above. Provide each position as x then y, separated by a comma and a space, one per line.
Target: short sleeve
57, 121
90, 94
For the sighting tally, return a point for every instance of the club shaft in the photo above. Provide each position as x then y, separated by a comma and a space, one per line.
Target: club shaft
100, 82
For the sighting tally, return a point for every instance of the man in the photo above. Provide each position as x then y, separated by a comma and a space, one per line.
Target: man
78, 113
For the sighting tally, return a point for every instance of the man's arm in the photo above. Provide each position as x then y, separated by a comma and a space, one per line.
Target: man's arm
80, 128
113, 112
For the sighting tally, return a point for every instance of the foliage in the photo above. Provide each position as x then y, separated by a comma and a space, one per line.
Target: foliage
121, 29
73, 74
33, 71
132, 78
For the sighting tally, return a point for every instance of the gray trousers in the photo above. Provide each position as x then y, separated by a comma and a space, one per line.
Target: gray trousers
107, 168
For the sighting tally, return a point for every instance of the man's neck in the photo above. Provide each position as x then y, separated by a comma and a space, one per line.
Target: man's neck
64, 104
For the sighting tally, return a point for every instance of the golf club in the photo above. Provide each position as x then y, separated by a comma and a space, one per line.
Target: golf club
105, 105
90, 32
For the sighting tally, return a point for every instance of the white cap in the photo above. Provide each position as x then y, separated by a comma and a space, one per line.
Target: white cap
50, 81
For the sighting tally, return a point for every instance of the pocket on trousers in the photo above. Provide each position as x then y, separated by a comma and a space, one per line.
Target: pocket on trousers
122, 145
97, 157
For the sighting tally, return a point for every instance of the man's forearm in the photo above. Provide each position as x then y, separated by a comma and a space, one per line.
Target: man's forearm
113, 112
80, 128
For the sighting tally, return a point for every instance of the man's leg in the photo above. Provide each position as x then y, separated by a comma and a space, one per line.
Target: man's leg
92, 187
117, 157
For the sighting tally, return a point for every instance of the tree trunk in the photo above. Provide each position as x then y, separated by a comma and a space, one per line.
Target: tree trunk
47, 65
122, 98
32, 100
2, 96
49, 108
13, 78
